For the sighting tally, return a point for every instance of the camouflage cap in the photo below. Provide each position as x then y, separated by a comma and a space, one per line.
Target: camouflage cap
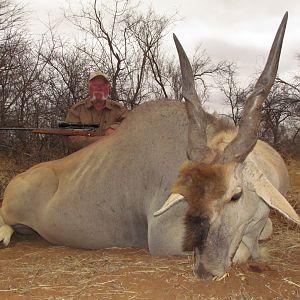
98, 73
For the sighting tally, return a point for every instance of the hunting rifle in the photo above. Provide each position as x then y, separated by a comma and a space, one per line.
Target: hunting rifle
64, 128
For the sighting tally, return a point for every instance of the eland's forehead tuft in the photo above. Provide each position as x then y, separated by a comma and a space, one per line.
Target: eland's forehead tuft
201, 184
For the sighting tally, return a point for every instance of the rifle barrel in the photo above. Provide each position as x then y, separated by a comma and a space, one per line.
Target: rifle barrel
17, 128
69, 131
63, 124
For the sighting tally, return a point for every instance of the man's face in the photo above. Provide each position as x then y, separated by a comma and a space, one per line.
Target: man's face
98, 89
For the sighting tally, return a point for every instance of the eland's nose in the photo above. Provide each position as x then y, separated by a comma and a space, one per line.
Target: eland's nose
200, 271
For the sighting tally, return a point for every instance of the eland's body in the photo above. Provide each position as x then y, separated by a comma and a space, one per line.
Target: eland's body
105, 194
114, 192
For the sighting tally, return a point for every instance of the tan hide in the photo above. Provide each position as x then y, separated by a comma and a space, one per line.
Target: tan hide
258, 182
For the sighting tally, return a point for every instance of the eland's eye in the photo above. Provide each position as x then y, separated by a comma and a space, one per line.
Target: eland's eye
236, 196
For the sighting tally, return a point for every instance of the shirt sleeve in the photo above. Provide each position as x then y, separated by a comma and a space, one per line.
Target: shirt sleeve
121, 114
72, 116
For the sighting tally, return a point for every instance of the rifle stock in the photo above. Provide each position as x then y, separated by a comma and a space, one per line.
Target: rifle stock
66, 132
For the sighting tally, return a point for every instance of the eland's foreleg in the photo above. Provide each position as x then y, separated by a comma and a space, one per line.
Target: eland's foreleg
6, 232
25, 201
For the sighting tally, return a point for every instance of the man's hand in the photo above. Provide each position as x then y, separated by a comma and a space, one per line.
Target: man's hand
109, 131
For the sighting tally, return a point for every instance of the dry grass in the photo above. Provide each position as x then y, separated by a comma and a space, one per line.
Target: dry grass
8, 169
281, 246
285, 240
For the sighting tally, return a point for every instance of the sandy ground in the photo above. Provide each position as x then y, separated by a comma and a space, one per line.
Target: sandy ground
31, 268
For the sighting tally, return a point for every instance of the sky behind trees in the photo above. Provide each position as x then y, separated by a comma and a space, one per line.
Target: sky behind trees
240, 31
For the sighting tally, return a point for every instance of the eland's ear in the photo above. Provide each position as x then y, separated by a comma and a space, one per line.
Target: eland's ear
265, 190
171, 201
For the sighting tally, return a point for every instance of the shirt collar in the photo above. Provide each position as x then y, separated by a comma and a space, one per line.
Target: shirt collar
107, 104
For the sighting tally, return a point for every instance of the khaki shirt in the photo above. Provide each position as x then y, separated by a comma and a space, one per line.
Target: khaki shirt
84, 112
110, 116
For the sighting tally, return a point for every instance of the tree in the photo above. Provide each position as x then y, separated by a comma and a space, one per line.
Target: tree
40, 80
128, 45
11, 21
234, 95
123, 43
280, 109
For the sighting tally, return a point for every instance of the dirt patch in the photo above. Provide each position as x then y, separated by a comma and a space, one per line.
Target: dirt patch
31, 268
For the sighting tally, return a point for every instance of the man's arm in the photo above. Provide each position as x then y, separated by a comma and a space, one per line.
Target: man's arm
75, 143
121, 114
